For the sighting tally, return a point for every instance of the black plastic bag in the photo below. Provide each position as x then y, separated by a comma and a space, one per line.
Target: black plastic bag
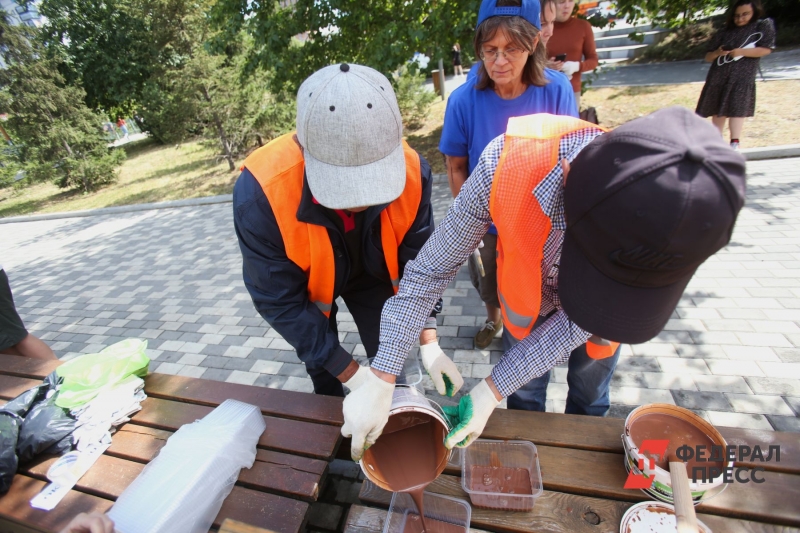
31, 424
9, 430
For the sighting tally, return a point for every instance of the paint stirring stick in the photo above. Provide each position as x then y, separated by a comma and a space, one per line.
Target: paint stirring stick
682, 496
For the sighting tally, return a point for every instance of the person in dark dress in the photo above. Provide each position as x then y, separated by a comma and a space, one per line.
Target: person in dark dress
734, 53
457, 70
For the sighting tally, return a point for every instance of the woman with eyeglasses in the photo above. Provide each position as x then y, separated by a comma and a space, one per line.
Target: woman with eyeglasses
511, 81
729, 93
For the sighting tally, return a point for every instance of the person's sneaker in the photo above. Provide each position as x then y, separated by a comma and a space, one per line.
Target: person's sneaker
735, 145
488, 332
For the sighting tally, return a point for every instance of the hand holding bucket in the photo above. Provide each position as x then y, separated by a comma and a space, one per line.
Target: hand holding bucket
365, 410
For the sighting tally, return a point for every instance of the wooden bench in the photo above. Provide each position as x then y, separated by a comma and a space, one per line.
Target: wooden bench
301, 437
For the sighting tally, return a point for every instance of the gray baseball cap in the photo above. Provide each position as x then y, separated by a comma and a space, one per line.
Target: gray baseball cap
350, 128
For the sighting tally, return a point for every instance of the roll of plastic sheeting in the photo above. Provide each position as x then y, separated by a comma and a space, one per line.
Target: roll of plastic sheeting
182, 489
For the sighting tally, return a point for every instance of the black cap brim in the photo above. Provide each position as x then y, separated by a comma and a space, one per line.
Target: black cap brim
609, 309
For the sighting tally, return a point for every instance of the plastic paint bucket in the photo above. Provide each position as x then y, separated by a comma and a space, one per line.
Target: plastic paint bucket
653, 517
661, 488
407, 400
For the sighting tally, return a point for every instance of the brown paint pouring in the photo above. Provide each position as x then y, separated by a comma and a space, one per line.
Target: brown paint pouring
679, 432
408, 456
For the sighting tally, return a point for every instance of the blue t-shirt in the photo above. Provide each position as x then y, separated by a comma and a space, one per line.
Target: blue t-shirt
473, 118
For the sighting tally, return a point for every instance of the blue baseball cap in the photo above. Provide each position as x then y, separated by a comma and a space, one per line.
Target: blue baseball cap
529, 10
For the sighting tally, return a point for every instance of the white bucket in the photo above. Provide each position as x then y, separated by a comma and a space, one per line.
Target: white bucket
662, 487
653, 517
409, 399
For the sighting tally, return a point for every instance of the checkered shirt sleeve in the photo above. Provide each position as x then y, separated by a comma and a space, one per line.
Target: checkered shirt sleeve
426, 277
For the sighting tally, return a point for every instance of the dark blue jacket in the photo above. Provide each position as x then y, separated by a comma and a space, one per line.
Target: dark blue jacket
279, 287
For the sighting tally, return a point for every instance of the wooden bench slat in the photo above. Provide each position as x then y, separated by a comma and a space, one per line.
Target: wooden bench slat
556, 512
287, 404
234, 526
15, 504
13, 386
283, 434
362, 519
292, 475
110, 476
603, 475
604, 435
27, 367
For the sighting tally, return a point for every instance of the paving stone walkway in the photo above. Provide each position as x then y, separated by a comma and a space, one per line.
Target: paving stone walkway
731, 352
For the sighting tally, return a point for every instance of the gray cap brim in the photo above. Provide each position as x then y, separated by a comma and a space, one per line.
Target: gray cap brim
340, 187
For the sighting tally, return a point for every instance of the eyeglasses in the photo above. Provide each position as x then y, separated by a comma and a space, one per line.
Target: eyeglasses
511, 54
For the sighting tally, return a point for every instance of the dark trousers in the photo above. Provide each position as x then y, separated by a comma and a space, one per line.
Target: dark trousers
364, 298
588, 379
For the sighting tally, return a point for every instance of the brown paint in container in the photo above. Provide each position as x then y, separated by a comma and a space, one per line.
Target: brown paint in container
501, 474
680, 427
410, 453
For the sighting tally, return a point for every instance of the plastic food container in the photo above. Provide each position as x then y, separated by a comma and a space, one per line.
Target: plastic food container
452, 515
501, 474
653, 517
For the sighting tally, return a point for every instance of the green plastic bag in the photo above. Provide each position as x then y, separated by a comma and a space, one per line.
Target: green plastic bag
87, 375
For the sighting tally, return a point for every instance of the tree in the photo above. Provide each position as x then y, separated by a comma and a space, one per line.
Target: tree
57, 136
667, 13
293, 42
113, 47
201, 92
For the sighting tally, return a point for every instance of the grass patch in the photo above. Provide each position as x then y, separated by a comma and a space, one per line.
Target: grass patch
152, 173
425, 140
770, 126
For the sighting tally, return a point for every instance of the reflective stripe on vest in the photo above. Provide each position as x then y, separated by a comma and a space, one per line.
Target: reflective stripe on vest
529, 154
599, 348
279, 169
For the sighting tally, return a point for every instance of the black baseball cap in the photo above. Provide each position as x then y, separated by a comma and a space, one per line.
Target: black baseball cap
645, 205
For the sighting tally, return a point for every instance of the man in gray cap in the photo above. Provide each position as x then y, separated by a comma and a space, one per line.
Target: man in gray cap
336, 209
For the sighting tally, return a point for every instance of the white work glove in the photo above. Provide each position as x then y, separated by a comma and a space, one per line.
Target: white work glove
365, 409
570, 67
442, 370
470, 416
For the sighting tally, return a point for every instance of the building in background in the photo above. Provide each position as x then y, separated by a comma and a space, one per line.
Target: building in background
22, 14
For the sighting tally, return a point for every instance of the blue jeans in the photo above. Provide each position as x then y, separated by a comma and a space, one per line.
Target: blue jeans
588, 379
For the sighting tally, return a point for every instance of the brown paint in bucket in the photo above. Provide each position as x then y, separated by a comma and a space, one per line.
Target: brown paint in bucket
679, 427
408, 456
679, 432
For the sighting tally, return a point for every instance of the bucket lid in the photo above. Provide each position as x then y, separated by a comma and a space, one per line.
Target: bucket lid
653, 517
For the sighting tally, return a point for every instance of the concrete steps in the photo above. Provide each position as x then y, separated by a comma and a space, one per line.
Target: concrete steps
614, 45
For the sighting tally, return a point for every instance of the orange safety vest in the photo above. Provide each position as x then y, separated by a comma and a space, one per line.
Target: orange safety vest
279, 168
529, 153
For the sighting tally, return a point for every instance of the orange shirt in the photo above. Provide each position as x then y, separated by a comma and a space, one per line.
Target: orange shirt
574, 38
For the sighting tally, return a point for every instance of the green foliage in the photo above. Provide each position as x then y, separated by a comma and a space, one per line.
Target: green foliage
58, 137
209, 93
668, 13
105, 45
688, 42
378, 33
412, 97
